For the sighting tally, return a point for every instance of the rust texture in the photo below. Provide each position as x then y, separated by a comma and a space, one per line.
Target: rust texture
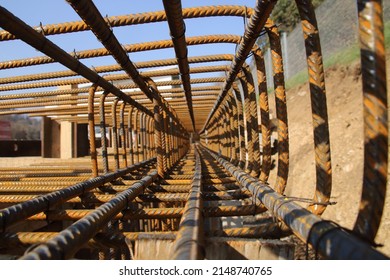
184, 156
375, 118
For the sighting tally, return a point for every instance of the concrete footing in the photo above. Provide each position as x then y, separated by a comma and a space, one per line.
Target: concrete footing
218, 249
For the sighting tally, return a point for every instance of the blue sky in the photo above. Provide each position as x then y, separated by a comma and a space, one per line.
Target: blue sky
58, 11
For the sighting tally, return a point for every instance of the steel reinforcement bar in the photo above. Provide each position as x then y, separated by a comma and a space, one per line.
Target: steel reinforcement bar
114, 68
255, 25
114, 77
173, 11
68, 241
133, 19
140, 47
189, 243
21, 211
329, 239
35, 39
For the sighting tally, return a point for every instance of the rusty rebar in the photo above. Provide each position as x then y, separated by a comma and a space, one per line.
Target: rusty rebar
147, 46
19, 212
262, 10
91, 125
115, 68
189, 243
103, 132
319, 106
37, 40
114, 129
133, 19
174, 14
281, 108
112, 77
68, 241
372, 46
327, 238
122, 134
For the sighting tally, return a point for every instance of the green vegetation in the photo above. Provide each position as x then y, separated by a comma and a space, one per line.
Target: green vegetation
298, 79
24, 127
344, 56
387, 34
286, 16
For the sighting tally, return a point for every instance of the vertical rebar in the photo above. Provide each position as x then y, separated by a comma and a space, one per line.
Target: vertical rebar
91, 126
103, 138
373, 61
319, 106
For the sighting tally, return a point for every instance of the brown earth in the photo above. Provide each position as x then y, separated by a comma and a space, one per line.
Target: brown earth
344, 101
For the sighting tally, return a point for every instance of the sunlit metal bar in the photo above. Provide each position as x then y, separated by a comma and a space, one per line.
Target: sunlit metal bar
189, 243
35, 39
255, 25
68, 241
19, 212
173, 11
328, 239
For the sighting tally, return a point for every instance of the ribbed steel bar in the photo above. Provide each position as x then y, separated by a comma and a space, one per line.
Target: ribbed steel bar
164, 141
234, 126
224, 114
266, 231
82, 109
133, 19
115, 68
97, 198
19, 212
172, 142
262, 10
100, 240
264, 113
35, 39
42, 187
328, 239
103, 132
174, 14
41, 101
26, 239
136, 134
281, 107
151, 213
92, 17
122, 134
143, 133
249, 124
23, 239
130, 132
158, 138
253, 120
241, 131
319, 106
140, 47
373, 59
114, 129
91, 126
189, 243
167, 137
125, 86
114, 77
68, 241
229, 120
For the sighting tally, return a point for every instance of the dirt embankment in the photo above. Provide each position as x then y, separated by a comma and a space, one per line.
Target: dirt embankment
344, 100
